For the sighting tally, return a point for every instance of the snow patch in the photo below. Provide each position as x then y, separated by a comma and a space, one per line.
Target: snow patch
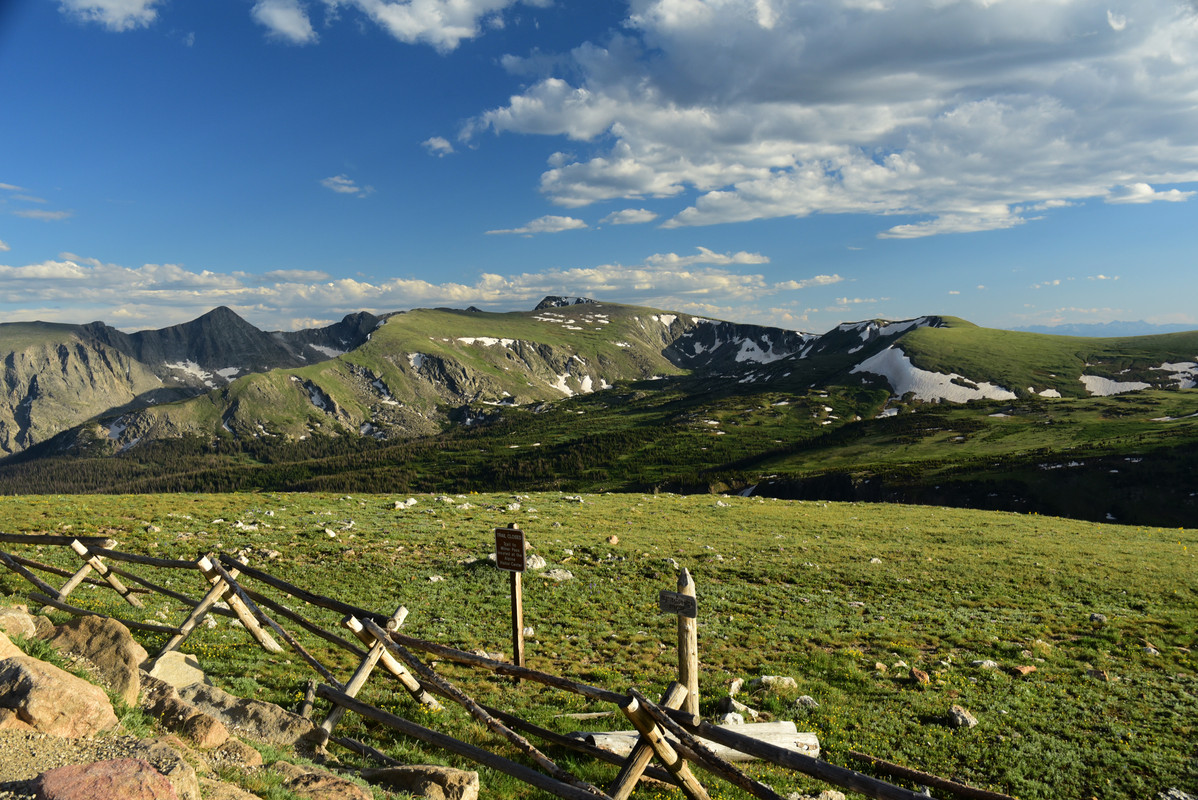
1183, 373
1105, 387
894, 365
665, 319
228, 372
749, 351
486, 341
331, 352
416, 360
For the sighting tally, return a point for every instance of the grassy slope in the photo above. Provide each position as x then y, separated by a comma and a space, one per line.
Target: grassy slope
1018, 360
775, 581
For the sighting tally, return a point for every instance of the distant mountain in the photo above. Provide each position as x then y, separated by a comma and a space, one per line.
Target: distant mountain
415, 373
1106, 329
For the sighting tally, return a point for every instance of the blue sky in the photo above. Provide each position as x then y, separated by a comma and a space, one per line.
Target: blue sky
1013, 162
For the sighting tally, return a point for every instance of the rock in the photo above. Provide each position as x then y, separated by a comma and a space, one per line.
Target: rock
920, 677
1098, 618
10, 721
52, 700
1151, 651
827, 794
984, 664
218, 790
178, 669
7, 648
1023, 670
773, 683
174, 713
613, 539
959, 717
534, 561
43, 625
1176, 794
1099, 675
879, 667
234, 753
318, 784
16, 621
735, 686
107, 645
558, 574
875, 561
434, 783
168, 761
126, 778
806, 701
729, 705
730, 719
256, 718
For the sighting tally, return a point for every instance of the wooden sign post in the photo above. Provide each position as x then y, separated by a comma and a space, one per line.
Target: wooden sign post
509, 555
684, 603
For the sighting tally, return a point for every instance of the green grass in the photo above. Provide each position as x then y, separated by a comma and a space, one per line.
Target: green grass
778, 584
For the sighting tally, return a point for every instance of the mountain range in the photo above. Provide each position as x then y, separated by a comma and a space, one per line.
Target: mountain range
228, 393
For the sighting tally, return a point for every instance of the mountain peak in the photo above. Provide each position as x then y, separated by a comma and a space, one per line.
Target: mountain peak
555, 301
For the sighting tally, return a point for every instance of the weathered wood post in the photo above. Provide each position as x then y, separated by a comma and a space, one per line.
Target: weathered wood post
510, 556
686, 606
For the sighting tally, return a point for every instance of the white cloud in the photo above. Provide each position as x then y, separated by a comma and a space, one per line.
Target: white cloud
75, 289
954, 291
438, 146
343, 184
964, 116
1144, 193
4, 246
1055, 282
440, 23
44, 216
546, 224
705, 256
286, 20
818, 280
116, 15
8, 187
1101, 277
629, 216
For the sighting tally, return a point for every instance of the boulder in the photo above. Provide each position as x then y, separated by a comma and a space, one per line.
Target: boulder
730, 705
434, 783
213, 789
773, 683
233, 753
178, 669
16, 621
126, 778
959, 717
52, 700
107, 645
169, 761
318, 784
8, 649
257, 719
175, 714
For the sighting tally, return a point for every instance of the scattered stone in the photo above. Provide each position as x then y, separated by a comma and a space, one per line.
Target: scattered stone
729, 705
108, 645
52, 700
1099, 675
162, 701
773, 683
875, 561
827, 794
534, 561
256, 718
613, 539
735, 686
920, 677
558, 574
1176, 794
126, 778
806, 701
431, 782
234, 753
1098, 618
318, 784
218, 790
856, 604
530, 631
17, 621
1152, 651
959, 717
1023, 670
178, 669
435, 578
730, 719
879, 667
984, 663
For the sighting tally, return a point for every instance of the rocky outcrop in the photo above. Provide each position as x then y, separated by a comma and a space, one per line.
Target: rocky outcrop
432, 782
318, 784
107, 645
126, 778
256, 719
51, 700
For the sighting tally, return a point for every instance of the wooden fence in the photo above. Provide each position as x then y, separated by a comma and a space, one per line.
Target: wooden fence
670, 731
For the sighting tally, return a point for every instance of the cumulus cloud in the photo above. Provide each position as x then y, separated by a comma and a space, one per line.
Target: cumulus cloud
966, 117
73, 288
343, 184
438, 146
444, 24
285, 20
4, 246
546, 224
629, 216
1144, 193
807, 283
115, 15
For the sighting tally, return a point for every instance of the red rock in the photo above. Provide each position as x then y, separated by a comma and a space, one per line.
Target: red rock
125, 778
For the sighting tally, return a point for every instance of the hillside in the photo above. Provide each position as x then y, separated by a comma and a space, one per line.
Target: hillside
582, 395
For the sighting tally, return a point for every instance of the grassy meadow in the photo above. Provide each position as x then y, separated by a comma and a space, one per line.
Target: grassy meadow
843, 597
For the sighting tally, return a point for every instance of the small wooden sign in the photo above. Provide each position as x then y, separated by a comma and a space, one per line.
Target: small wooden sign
509, 549
677, 603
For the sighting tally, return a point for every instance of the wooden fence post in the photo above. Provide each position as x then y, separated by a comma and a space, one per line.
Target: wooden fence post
688, 647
